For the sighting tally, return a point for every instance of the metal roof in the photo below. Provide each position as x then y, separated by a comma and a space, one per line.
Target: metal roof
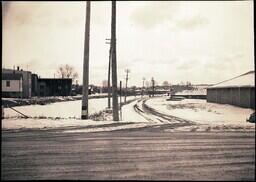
9, 76
244, 80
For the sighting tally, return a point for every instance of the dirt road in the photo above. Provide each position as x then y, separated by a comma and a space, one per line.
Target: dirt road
149, 153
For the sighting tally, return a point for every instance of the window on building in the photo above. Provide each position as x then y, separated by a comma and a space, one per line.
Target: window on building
8, 83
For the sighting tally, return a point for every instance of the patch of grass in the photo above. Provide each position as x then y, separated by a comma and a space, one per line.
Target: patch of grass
208, 129
194, 129
99, 116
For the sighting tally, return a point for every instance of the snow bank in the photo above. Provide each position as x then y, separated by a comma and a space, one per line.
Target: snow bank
110, 128
30, 123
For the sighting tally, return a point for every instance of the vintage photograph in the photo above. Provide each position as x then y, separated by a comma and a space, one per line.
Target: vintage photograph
128, 90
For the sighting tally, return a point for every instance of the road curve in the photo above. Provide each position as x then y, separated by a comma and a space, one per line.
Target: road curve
154, 116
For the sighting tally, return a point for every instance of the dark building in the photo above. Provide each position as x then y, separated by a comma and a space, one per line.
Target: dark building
34, 87
238, 91
54, 86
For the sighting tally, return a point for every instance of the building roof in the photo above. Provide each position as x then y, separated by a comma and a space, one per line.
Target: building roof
9, 76
6, 70
192, 92
54, 79
244, 80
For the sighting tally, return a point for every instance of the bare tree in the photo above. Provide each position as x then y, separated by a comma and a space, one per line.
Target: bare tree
61, 72
188, 83
67, 71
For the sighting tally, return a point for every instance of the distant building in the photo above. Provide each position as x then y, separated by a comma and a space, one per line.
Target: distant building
34, 85
26, 80
54, 86
24, 84
11, 85
238, 91
195, 93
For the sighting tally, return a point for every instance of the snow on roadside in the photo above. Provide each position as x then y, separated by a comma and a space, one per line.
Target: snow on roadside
66, 110
202, 112
109, 128
30, 123
59, 109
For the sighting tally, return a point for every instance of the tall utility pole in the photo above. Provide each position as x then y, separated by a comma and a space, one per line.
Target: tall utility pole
114, 69
153, 86
121, 100
142, 90
109, 68
126, 80
86, 62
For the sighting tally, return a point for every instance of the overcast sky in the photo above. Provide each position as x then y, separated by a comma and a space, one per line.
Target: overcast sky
200, 42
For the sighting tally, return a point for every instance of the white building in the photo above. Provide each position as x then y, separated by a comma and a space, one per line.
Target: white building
12, 85
26, 80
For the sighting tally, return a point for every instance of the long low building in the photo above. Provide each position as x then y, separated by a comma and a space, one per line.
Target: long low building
238, 91
54, 86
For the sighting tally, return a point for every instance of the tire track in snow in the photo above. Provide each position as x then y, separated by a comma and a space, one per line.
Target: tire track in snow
154, 116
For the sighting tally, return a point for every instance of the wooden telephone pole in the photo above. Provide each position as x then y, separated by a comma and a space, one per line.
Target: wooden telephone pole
114, 67
109, 73
86, 63
153, 86
126, 80
142, 90
121, 100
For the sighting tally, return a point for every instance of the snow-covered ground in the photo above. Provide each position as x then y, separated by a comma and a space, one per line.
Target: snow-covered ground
67, 114
202, 112
32, 123
207, 116
69, 109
